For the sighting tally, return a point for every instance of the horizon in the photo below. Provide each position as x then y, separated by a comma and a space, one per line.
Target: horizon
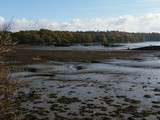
85, 31
122, 15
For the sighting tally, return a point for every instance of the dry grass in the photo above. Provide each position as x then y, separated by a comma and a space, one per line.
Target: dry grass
8, 89
17, 54
3, 50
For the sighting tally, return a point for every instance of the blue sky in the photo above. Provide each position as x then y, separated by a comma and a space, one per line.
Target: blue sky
63, 10
73, 15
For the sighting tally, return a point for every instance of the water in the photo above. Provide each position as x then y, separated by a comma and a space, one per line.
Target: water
95, 47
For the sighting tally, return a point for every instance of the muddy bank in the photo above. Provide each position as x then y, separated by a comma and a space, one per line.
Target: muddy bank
148, 48
31, 55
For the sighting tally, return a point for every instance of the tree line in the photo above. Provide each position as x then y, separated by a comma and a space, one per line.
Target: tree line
66, 38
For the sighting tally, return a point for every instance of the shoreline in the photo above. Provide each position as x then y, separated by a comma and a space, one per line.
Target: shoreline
19, 53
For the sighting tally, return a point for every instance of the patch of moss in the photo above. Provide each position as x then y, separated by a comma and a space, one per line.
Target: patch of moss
147, 96
156, 102
30, 117
156, 90
52, 95
107, 100
130, 109
67, 100
58, 108
133, 101
146, 113
156, 106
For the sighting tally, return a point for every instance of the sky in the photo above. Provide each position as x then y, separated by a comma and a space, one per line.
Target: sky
85, 15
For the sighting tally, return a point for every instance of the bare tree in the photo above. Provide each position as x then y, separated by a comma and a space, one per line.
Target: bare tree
5, 34
8, 87
5, 37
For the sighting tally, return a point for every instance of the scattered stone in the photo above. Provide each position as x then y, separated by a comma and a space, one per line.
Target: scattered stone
156, 90
147, 96
79, 67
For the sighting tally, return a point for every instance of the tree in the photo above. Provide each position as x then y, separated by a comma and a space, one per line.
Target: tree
5, 35
103, 39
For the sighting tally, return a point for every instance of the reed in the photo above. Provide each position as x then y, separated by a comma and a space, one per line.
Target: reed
8, 90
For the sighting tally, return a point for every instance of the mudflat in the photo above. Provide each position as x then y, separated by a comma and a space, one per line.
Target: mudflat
94, 85
21, 53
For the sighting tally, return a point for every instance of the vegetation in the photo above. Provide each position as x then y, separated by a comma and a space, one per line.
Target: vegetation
7, 87
5, 35
65, 38
7, 93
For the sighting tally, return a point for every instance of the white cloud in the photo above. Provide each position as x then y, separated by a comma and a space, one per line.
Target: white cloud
146, 23
154, 0
2, 21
